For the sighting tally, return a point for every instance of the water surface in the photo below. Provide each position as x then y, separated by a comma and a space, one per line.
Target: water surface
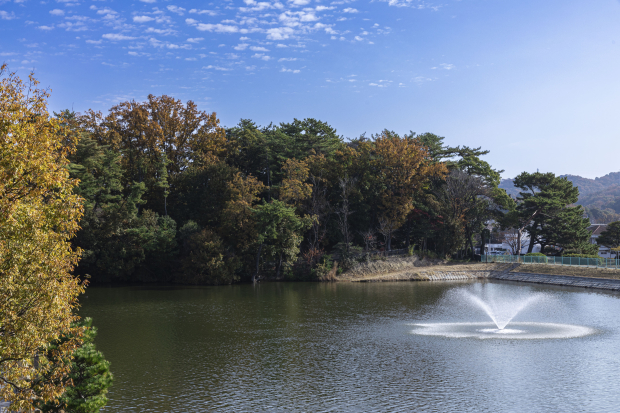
349, 347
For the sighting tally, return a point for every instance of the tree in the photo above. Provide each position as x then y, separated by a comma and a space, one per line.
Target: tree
205, 259
401, 167
39, 214
279, 233
89, 377
543, 196
610, 238
159, 130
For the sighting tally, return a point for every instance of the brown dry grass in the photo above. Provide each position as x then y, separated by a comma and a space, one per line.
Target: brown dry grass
568, 270
412, 269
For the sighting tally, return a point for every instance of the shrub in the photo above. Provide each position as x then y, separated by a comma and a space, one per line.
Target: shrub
535, 254
580, 256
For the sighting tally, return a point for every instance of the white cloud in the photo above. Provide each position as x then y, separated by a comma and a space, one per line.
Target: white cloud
287, 59
290, 70
232, 55
94, 41
6, 15
250, 67
359, 39
299, 2
217, 28
195, 39
323, 8
105, 10
176, 9
260, 6
57, 12
261, 56
447, 66
279, 33
209, 12
46, 28
350, 10
142, 19
241, 46
224, 69
258, 49
148, 1
163, 32
116, 37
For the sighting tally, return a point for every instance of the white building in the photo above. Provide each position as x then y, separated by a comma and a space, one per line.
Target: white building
595, 231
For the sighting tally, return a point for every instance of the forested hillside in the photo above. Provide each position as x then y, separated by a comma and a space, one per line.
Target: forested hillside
172, 196
600, 196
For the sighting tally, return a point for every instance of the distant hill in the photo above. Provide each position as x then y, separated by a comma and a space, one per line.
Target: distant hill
600, 196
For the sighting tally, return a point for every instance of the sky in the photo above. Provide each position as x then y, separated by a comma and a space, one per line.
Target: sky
537, 83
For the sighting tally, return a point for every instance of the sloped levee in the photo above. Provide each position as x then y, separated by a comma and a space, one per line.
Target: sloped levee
416, 271
570, 281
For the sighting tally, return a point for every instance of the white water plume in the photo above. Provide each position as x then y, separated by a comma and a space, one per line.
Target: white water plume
501, 312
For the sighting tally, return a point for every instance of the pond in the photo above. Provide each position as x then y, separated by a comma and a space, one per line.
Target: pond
354, 347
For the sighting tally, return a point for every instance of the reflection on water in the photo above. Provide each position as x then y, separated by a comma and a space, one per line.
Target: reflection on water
517, 331
349, 347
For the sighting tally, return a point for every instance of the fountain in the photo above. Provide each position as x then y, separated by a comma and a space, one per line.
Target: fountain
501, 310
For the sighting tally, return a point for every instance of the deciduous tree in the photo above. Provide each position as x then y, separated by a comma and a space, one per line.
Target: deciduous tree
39, 214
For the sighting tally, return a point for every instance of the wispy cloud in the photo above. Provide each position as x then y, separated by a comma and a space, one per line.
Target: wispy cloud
143, 19
261, 56
223, 69
207, 12
117, 37
176, 9
4, 15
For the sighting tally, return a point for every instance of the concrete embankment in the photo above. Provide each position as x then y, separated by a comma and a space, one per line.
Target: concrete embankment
565, 280
413, 269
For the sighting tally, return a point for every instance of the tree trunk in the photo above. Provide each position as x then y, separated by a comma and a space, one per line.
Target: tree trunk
519, 235
279, 266
255, 276
530, 248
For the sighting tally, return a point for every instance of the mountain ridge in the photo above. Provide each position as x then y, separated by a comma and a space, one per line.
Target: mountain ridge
599, 196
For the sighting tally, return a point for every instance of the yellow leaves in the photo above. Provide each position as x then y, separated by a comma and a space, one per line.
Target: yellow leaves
293, 189
237, 214
403, 167
38, 215
162, 124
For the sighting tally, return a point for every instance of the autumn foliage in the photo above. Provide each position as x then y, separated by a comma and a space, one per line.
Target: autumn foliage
39, 214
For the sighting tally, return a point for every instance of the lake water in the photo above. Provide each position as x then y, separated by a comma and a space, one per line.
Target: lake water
312, 347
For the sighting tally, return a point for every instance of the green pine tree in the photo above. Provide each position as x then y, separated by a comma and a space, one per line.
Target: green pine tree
90, 377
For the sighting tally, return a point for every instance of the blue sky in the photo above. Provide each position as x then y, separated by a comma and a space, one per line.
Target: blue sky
535, 82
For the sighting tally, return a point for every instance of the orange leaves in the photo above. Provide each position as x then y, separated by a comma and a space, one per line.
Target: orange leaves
402, 168
294, 189
162, 124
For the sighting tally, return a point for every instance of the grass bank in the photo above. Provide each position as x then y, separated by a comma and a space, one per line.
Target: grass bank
568, 271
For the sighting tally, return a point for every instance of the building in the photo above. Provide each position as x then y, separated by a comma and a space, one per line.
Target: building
595, 231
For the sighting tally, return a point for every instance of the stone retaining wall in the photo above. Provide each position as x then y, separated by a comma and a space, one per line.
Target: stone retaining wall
584, 282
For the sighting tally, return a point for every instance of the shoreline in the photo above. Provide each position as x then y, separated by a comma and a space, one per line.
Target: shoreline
418, 271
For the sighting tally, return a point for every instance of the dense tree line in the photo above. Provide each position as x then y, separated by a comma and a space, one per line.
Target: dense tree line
172, 196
